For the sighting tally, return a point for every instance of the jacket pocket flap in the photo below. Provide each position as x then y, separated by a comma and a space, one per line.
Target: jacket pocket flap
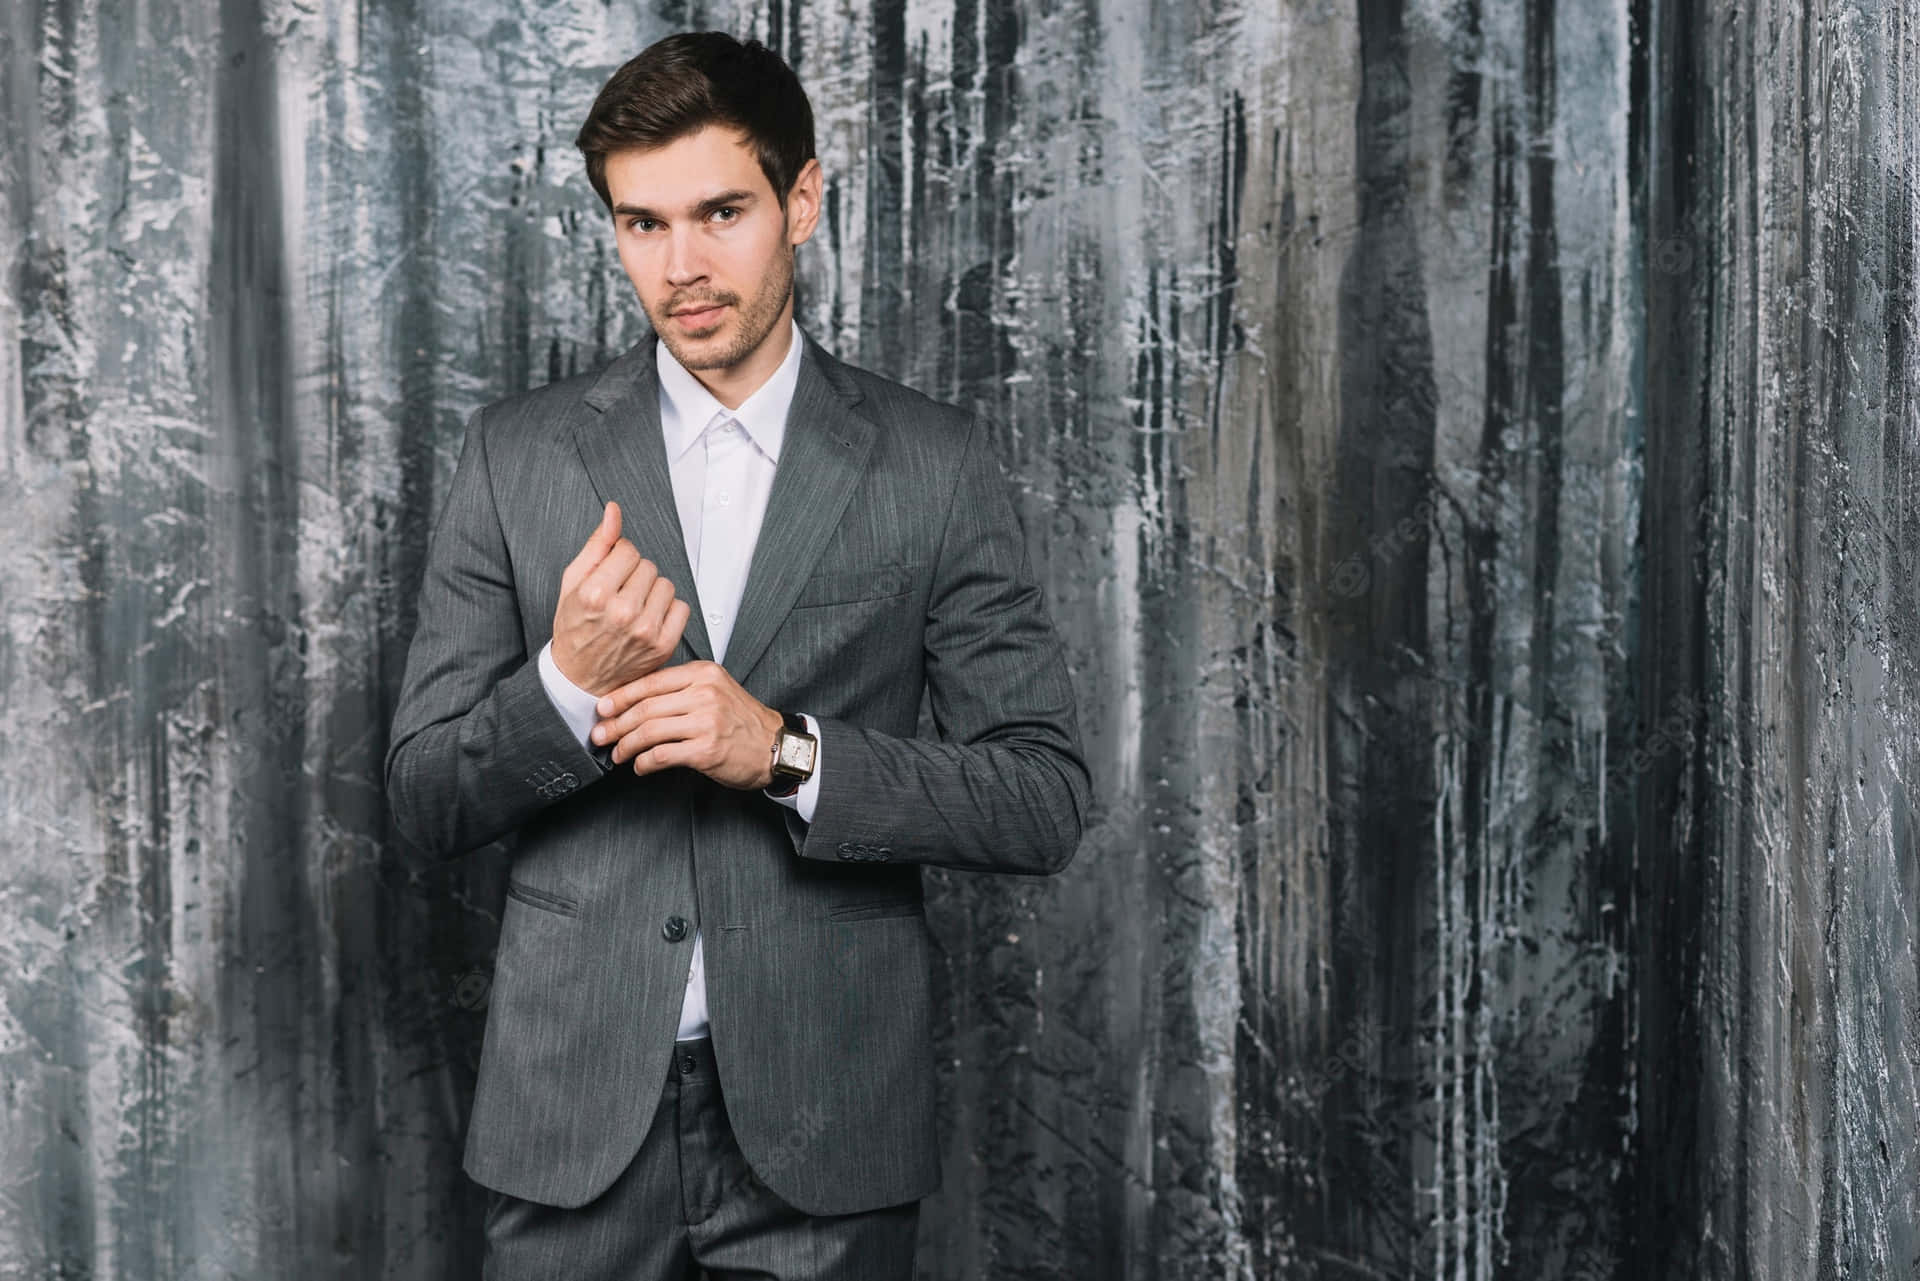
880, 907
843, 587
545, 900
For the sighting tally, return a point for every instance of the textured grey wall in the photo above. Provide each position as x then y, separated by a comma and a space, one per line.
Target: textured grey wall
1473, 453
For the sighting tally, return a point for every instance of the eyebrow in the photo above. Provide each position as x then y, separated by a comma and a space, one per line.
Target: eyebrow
700, 210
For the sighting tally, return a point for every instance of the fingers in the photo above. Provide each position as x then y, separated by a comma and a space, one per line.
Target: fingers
666, 756
633, 596
659, 681
678, 612
676, 703
658, 731
652, 611
602, 584
598, 544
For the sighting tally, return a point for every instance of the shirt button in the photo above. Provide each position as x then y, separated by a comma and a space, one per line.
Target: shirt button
675, 929
722, 496
715, 617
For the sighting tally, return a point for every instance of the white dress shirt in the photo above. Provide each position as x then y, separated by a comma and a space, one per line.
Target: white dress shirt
722, 463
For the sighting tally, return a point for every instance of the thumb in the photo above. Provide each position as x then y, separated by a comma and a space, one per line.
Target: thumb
595, 550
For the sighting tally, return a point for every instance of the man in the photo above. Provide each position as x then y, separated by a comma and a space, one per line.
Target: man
677, 620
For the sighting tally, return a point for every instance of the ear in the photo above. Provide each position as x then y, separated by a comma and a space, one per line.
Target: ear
803, 204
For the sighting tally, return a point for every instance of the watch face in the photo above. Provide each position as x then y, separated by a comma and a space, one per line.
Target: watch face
796, 753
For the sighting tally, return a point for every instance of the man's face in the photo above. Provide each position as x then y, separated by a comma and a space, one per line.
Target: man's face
707, 246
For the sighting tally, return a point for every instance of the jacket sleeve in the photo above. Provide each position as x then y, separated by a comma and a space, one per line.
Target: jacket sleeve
478, 746
1006, 789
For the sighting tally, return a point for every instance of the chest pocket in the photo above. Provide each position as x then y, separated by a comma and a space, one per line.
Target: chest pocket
849, 586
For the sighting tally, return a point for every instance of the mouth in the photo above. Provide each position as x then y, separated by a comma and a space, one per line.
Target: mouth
699, 317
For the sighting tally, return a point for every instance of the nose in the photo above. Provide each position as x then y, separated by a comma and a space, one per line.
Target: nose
685, 265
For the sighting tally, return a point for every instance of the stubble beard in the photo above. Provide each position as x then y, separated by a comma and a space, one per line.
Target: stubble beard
756, 319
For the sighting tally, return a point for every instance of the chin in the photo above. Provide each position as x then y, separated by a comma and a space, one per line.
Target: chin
686, 349
715, 351
724, 348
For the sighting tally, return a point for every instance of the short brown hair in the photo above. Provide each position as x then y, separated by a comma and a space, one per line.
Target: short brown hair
685, 82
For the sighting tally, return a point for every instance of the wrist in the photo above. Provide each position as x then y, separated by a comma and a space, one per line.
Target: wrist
770, 724
563, 660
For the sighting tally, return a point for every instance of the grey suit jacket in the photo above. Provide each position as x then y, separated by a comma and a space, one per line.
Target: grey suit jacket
890, 564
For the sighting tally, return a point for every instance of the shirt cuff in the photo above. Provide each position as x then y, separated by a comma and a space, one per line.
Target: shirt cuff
575, 705
802, 801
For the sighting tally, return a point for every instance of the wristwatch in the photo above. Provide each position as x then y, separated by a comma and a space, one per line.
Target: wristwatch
794, 751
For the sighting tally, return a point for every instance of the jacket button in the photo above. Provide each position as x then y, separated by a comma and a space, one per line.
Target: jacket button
675, 929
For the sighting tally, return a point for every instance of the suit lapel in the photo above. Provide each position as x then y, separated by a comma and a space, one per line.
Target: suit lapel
822, 456
626, 460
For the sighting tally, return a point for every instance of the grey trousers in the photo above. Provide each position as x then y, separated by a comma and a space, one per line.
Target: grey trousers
688, 1207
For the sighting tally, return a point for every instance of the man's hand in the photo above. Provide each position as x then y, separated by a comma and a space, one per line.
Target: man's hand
693, 714
617, 618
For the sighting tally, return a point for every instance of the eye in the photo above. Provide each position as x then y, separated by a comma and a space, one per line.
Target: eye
639, 224
734, 213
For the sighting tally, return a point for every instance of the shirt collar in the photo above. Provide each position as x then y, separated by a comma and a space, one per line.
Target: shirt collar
687, 407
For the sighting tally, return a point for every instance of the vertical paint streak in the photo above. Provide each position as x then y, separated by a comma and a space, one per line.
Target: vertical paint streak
1379, 845
886, 339
1676, 1115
